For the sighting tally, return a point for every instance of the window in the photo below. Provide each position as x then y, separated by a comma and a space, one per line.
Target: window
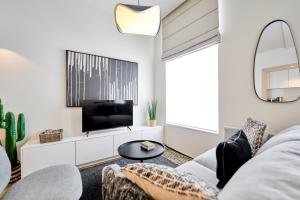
192, 90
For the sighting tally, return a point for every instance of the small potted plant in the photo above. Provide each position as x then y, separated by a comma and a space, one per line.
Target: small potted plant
10, 140
152, 111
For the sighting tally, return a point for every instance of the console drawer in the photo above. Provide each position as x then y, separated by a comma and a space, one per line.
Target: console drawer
93, 149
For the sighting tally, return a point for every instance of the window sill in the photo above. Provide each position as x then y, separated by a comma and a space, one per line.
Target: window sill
193, 128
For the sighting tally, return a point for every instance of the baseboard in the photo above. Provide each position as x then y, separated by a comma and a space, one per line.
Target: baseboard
95, 163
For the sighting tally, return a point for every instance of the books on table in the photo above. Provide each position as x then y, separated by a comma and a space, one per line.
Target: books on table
147, 145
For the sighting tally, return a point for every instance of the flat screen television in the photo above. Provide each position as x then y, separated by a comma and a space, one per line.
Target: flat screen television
97, 115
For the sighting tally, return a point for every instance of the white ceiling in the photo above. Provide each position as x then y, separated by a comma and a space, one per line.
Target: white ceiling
108, 5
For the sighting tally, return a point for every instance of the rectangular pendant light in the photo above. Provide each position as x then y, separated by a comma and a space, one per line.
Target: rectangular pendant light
141, 20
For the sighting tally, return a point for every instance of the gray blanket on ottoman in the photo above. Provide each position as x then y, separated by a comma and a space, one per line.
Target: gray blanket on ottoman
115, 186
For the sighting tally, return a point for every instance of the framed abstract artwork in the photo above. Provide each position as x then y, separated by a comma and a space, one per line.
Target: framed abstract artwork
92, 77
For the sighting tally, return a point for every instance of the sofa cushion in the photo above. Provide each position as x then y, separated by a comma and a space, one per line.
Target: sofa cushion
254, 131
272, 174
208, 159
286, 135
162, 182
231, 155
199, 171
57, 182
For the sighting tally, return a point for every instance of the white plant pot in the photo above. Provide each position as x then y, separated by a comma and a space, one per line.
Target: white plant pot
2, 136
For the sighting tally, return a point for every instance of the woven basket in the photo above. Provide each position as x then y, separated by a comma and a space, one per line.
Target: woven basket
15, 173
53, 136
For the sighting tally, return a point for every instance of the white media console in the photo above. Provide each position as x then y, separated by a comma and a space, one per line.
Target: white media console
82, 149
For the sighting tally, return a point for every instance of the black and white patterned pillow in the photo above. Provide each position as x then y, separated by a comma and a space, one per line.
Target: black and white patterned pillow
254, 131
116, 186
162, 182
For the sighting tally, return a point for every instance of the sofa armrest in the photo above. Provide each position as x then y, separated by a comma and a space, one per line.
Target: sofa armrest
116, 186
208, 159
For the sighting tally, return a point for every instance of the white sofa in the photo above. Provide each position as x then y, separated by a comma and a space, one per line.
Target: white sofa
274, 173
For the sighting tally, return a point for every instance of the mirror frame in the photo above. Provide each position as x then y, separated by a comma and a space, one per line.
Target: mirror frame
260, 35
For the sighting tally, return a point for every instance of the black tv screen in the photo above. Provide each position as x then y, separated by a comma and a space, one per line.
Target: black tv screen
97, 115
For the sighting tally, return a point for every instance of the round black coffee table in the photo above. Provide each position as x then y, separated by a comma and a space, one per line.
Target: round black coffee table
133, 150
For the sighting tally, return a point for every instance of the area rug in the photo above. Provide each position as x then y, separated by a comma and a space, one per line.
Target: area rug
91, 177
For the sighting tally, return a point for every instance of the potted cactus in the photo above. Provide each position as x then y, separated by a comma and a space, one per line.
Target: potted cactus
11, 138
152, 111
2, 125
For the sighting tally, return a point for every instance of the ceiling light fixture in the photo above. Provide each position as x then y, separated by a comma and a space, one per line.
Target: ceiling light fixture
137, 19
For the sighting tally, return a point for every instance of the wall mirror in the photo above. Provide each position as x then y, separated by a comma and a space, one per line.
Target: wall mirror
276, 64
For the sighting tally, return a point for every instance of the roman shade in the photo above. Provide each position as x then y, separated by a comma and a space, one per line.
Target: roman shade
193, 25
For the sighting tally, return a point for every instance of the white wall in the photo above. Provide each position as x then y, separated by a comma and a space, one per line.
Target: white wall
241, 22
33, 38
